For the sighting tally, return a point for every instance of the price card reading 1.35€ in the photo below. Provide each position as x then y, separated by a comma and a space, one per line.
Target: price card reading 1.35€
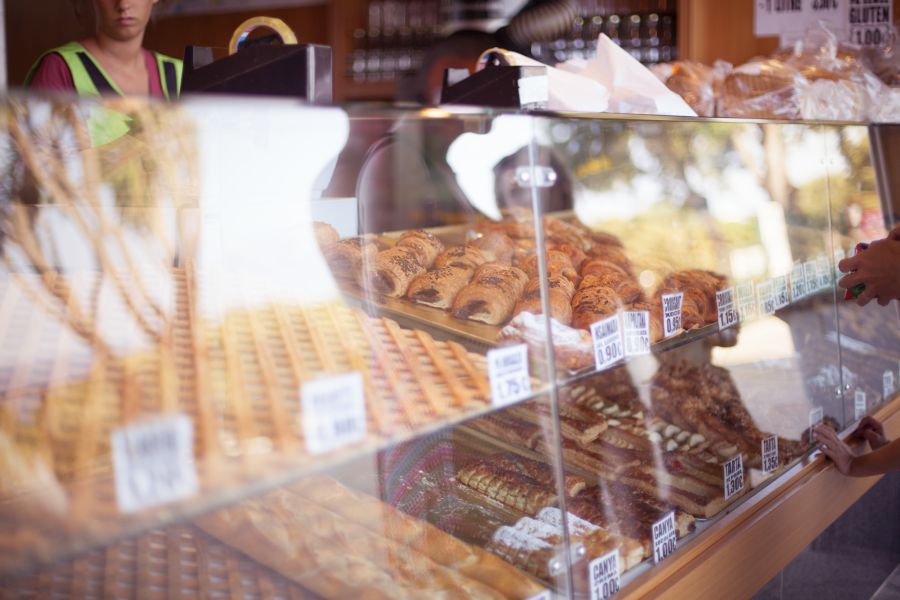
782, 296
733, 472
603, 574
769, 454
665, 538
798, 283
509, 374
333, 411
727, 314
636, 332
859, 404
608, 343
671, 305
153, 462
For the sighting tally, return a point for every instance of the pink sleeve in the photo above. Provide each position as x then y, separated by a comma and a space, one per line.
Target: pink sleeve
53, 75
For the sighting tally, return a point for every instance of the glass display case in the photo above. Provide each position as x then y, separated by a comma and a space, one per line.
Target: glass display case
262, 349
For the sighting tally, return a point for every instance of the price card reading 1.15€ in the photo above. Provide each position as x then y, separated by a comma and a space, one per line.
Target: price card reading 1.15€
333, 411
509, 374
725, 304
603, 575
153, 462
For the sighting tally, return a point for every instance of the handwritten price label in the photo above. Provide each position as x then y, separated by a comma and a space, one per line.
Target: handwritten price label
798, 283
765, 291
812, 276
637, 332
671, 305
604, 576
153, 463
860, 406
333, 411
746, 299
608, 342
733, 472
782, 296
770, 454
665, 538
725, 303
816, 416
824, 268
838, 257
509, 374
887, 381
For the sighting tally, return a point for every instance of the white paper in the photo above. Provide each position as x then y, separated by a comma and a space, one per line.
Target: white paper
508, 372
782, 296
636, 332
733, 472
334, 412
665, 538
887, 381
798, 283
812, 276
672, 306
770, 454
766, 295
859, 404
603, 576
608, 342
725, 304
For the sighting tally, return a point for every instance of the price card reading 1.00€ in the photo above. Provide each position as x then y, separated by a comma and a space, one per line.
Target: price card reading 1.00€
665, 538
509, 374
153, 462
603, 573
608, 343
770, 454
725, 303
671, 305
334, 412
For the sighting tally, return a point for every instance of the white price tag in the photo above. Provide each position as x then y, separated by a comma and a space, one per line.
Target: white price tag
603, 575
798, 283
746, 301
665, 538
608, 343
860, 407
509, 374
870, 22
816, 416
671, 305
838, 257
733, 472
766, 292
812, 276
824, 269
725, 303
636, 332
770, 454
782, 296
887, 383
333, 411
153, 462
545, 595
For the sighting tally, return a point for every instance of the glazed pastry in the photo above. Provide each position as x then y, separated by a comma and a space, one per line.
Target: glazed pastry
575, 254
426, 245
601, 266
439, 287
346, 256
558, 263
392, 271
492, 294
468, 257
590, 305
497, 247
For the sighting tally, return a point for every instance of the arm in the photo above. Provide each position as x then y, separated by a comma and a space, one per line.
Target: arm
878, 267
883, 460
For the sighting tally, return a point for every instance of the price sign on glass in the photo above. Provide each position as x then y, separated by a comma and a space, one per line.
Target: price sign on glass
333, 411
838, 257
824, 269
725, 304
769, 454
782, 296
603, 573
887, 381
859, 404
816, 416
509, 374
637, 332
671, 305
798, 283
812, 276
733, 472
153, 463
665, 538
608, 342
766, 298
746, 301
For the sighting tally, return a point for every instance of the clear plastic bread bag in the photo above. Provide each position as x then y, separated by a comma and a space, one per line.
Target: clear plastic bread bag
764, 88
697, 83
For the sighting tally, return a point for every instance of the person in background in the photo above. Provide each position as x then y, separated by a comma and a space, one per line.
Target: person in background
878, 268
111, 61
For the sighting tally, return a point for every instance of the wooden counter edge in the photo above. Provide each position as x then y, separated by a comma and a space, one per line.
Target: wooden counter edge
742, 551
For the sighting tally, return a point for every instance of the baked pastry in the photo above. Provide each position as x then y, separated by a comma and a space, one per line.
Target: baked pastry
507, 487
560, 292
346, 256
392, 271
558, 263
601, 266
467, 257
612, 254
325, 234
439, 287
497, 247
540, 472
592, 304
426, 245
601, 238
625, 287
575, 254
508, 429
492, 294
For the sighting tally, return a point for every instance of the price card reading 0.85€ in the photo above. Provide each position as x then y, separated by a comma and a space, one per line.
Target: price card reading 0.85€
725, 304
333, 411
603, 574
153, 462
509, 374
608, 342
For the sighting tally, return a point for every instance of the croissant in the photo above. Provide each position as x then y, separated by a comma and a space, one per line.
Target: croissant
626, 288
656, 318
576, 255
391, 271
560, 291
590, 305
601, 238
439, 287
557, 263
497, 247
599, 266
345, 257
467, 257
612, 254
426, 245
492, 294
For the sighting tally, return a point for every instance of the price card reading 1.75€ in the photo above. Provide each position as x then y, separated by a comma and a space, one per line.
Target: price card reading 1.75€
603, 575
769, 454
665, 538
509, 374
608, 343
725, 303
333, 411
671, 305
153, 462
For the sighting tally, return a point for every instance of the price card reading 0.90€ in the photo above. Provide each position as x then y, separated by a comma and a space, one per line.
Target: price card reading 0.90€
509, 374
636, 332
603, 574
153, 462
671, 305
859, 404
608, 343
782, 296
727, 314
665, 538
770, 454
733, 471
798, 283
333, 411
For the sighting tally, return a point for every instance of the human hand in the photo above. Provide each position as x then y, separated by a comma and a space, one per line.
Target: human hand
894, 234
878, 267
832, 447
871, 430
